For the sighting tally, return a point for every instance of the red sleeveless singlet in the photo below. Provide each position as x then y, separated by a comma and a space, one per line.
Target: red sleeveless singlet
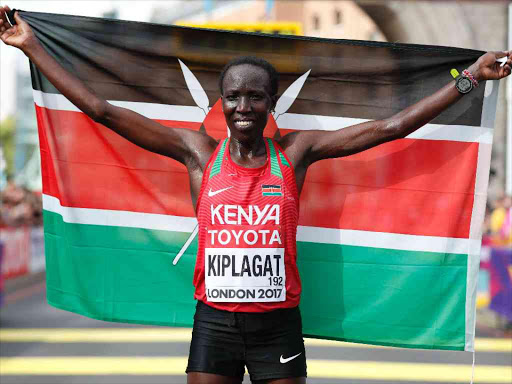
247, 217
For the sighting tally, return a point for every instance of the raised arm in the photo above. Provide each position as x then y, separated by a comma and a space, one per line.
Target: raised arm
306, 147
186, 146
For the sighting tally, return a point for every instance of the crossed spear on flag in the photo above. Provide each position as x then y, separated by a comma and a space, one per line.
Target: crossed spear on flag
201, 99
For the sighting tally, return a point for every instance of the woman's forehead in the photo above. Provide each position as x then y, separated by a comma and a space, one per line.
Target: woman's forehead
245, 75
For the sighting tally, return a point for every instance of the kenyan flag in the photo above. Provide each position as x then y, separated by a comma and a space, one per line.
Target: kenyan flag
271, 190
389, 239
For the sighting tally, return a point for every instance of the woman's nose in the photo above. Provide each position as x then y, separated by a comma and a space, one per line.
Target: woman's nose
244, 104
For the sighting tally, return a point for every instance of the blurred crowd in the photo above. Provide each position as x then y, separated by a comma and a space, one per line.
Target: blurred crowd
497, 230
19, 206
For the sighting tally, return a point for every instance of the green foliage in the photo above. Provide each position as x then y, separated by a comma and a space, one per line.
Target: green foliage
7, 131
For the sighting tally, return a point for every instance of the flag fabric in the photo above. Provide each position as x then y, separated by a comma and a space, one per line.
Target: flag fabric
388, 239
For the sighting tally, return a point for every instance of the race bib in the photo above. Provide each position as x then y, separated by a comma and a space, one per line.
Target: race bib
245, 274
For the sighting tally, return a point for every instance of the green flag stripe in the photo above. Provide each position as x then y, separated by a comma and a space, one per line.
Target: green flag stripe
120, 267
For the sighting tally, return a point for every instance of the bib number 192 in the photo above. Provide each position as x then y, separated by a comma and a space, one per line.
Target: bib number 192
276, 281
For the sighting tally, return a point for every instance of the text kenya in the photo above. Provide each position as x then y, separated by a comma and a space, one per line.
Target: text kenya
252, 215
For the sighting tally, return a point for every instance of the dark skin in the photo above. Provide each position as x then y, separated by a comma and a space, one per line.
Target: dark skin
247, 103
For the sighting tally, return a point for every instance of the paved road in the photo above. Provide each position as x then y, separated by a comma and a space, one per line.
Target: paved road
43, 345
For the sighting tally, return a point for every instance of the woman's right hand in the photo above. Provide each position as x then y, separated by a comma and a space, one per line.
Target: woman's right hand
20, 35
186, 146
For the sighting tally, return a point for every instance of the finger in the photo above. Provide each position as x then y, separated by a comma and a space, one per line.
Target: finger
4, 26
18, 18
509, 60
3, 29
500, 55
8, 33
508, 56
505, 71
5, 36
2, 13
20, 21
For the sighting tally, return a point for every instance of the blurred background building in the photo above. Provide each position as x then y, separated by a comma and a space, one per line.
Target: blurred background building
27, 167
322, 18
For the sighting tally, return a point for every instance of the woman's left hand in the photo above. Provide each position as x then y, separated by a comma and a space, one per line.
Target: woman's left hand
487, 68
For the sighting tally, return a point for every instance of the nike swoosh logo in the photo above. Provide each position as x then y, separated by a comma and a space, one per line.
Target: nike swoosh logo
211, 193
284, 361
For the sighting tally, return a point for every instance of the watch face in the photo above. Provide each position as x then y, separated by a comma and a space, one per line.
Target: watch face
463, 85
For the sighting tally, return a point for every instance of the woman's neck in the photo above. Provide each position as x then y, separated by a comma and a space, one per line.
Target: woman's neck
247, 152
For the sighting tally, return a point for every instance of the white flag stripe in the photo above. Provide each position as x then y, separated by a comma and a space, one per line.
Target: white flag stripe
296, 121
304, 233
463, 133
150, 110
382, 240
119, 218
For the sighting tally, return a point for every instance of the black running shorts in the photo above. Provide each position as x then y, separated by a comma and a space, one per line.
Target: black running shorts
269, 344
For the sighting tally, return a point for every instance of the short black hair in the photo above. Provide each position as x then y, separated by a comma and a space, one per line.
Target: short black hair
258, 62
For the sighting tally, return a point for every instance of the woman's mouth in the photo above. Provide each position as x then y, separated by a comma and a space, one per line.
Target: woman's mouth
243, 123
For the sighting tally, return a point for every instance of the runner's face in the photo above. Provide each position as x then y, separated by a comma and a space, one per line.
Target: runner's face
246, 100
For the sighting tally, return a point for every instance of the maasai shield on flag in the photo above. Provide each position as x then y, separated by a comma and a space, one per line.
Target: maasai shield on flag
389, 239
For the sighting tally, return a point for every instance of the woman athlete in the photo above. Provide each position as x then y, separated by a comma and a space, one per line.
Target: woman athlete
246, 187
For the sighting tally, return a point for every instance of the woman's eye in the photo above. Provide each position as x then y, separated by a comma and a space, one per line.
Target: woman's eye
231, 98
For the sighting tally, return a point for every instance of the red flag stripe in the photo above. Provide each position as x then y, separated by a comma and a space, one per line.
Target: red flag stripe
77, 153
407, 186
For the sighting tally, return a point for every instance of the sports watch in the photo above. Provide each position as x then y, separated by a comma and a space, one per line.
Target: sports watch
463, 82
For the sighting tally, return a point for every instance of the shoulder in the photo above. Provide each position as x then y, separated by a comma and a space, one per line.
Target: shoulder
297, 146
292, 140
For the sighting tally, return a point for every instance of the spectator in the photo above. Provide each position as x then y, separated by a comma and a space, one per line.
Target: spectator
19, 206
501, 222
